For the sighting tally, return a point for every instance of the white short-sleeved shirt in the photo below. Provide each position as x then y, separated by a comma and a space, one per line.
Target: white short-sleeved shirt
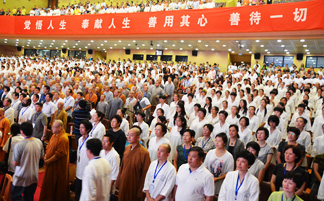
25, 114
153, 146
68, 102
124, 126
220, 129
49, 108
194, 186
82, 158
145, 131
98, 131
198, 127
166, 109
256, 168
114, 160
245, 136
164, 181
249, 189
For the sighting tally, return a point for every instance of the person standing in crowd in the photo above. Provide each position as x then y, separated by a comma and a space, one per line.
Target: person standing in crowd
60, 114
98, 129
161, 175
97, 174
26, 112
25, 159
78, 116
4, 127
240, 184
115, 104
69, 103
49, 108
134, 166
56, 178
39, 121
9, 111
108, 152
118, 134
82, 159
194, 181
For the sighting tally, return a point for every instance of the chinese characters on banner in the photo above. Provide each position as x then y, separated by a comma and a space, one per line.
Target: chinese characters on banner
267, 18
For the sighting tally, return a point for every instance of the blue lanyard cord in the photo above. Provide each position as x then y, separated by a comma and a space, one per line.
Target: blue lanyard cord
83, 143
2, 118
282, 196
237, 188
286, 168
97, 157
156, 173
184, 152
7, 108
24, 111
67, 99
37, 115
93, 129
58, 112
204, 144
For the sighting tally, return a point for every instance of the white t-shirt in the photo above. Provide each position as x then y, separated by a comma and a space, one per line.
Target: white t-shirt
198, 127
194, 186
164, 181
114, 160
153, 146
82, 158
69, 102
96, 180
98, 131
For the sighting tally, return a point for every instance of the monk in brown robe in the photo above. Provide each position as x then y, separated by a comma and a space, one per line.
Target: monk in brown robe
56, 179
135, 163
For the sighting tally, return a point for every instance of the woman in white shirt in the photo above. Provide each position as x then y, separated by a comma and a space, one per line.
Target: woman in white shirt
213, 118
243, 110
155, 142
198, 124
244, 132
219, 161
233, 118
275, 135
240, 185
194, 114
140, 116
257, 169
176, 133
124, 126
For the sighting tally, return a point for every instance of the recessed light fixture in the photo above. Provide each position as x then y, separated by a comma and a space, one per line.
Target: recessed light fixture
206, 45
302, 40
143, 44
86, 47
166, 48
189, 45
279, 41
308, 53
250, 52
261, 45
268, 52
134, 41
196, 49
282, 45
247, 50
53, 40
129, 44
115, 44
180, 48
217, 41
105, 41
119, 41
158, 45
233, 51
182, 41
307, 50
165, 41
137, 47
90, 41
224, 45
287, 52
151, 48
304, 45
212, 49
229, 50
111, 47
173, 45
257, 41
199, 41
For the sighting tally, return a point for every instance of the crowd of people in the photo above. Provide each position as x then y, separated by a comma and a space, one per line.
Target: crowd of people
123, 7
162, 131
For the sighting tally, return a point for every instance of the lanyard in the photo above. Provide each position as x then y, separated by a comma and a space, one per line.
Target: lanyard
2, 118
7, 108
184, 152
156, 173
24, 111
58, 112
37, 115
282, 196
28, 137
83, 143
204, 144
97, 157
67, 99
286, 168
14, 103
237, 188
93, 129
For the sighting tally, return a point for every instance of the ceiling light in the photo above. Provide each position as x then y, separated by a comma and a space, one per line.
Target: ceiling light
199, 41
137, 47
66, 41
27, 45
129, 44
302, 40
304, 45
90, 41
287, 52
250, 52
105, 41
242, 45
206, 45
229, 50
158, 45
212, 49
307, 50
76, 44
217, 41
101, 44
28, 40
196, 49
65, 44
56, 48
180, 48
134, 41
257, 41
120, 41
233, 51
111, 47
268, 52
173, 45
98, 47
45, 47
282, 45
189, 45
308, 53
73, 46
165, 41
5, 42
124, 47
62, 46
143, 45
279, 41
115, 44
224, 45
41, 40
79, 48
247, 50
261, 45
182, 41
17, 39
53, 40
34, 47
237, 41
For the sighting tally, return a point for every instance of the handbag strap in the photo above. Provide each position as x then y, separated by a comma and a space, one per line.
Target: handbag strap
7, 154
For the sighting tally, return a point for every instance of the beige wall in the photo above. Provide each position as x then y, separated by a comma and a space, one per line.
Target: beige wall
203, 56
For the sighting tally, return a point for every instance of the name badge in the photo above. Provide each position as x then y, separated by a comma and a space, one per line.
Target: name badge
33, 125
151, 188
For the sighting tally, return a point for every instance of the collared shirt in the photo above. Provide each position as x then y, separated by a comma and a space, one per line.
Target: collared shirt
49, 108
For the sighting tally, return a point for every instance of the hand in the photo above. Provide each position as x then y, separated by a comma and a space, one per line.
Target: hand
46, 162
150, 199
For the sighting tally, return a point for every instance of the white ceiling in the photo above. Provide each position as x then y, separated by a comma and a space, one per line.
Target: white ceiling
266, 46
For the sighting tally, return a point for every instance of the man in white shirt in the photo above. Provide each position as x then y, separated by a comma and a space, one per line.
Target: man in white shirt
68, 102
26, 112
108, 152
49, 107
15, 103
9, 111
161, 175
194, 181
97, 174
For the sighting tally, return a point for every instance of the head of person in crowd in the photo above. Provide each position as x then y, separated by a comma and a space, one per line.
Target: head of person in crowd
140, 116
301, 123
195, 158
221, 141
273, 121
160, 130
83, 104
262, 134
57, 127
163, 152
292, 154
233, 131
277, 111
291, 183
108, 142
26, 102
6, 102
115, 121
26, 129
38, 107
85, 127
254, 148
14, 129
244, 161
222, 116
94, 147
121, 112
207, 130
134, 135
244, 122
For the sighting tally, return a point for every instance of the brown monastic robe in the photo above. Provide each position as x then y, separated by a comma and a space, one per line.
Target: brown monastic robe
56, 178
131, 177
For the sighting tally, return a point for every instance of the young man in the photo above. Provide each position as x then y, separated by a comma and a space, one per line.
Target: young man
118, 134
39, 121
194, 181
26, 157
96, 178
108, 152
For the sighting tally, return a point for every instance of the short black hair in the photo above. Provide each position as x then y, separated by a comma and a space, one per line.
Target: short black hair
50, 95
296, 151
83, 104
39, 104
247, 121
210, 127
296, 177
111, 138
201, 153
247, 156
224, 113
161, 110
118, 118
203, 110
101, 115
163, 126
294, 130
15, 129
274, 119
223, 136
255, 146
94, 145
266, 131
141, 113
278, 109
191, 132
87, 124
27, 128
235, 126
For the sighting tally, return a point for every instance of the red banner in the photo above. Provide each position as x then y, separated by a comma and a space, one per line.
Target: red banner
306, 15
